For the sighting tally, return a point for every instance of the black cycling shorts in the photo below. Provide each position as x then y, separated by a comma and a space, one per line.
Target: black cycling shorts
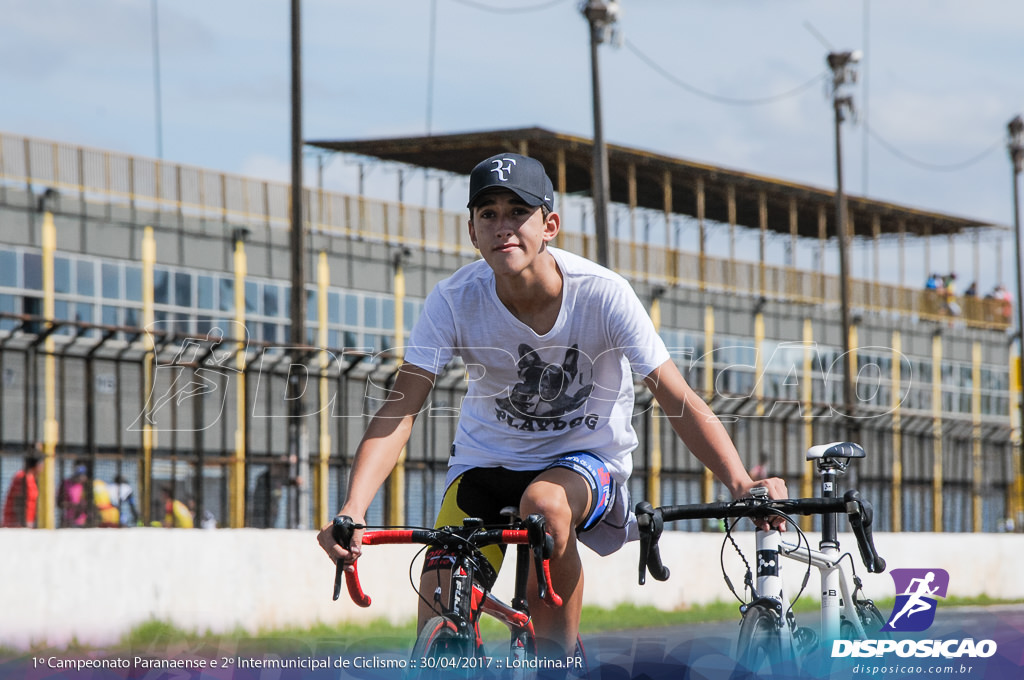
484, 492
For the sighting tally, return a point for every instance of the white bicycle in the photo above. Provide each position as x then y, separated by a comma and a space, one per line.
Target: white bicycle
769, 633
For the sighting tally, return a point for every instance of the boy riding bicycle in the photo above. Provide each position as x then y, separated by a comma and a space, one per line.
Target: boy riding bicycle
550, 341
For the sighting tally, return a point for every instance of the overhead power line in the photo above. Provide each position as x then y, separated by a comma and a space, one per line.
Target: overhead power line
732, 101
936, 167
510, 10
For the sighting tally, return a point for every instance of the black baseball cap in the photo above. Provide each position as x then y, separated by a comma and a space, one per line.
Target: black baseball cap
522, 175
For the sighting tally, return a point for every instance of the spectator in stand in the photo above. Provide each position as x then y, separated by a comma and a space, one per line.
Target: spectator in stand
123, 498
176, 513
71, 498
1003, 295
972, 290
934, 282
22, 495
949, 291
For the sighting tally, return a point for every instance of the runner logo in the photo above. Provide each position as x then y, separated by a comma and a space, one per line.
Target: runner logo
915, 599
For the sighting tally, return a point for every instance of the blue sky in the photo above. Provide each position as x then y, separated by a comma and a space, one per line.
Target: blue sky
939, 82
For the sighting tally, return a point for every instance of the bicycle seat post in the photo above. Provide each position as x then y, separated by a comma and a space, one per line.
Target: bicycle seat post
829, 473
831, 460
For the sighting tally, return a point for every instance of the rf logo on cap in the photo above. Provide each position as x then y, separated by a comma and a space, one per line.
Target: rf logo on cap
501, 166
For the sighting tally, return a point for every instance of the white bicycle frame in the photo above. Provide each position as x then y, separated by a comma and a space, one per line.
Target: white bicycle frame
836, 595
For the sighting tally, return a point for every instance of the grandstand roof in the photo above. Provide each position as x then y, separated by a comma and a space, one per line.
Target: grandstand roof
458, 153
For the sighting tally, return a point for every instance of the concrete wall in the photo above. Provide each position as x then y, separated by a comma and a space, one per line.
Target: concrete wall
96, 584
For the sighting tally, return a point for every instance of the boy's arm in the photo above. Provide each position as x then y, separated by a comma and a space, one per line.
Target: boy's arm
379, 450
703, 433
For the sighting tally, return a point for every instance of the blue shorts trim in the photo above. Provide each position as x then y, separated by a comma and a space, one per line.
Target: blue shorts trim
602, 486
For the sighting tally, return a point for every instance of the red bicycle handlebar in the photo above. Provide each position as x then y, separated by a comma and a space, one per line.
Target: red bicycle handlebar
407, 536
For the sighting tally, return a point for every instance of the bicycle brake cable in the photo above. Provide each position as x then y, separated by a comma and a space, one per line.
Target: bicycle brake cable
415, 588
721, 561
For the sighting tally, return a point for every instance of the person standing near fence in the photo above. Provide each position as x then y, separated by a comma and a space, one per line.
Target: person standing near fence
23, 495
123, 498
71, 498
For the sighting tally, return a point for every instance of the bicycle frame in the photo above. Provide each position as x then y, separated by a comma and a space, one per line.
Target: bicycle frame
467, 599
770, 609
837, 599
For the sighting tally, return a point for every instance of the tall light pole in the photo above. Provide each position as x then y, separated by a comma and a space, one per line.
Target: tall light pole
841, 64
157, 101
1015, 144
601, 15
298, 450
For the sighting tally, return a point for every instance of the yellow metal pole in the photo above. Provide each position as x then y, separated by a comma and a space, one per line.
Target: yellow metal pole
707, 494
1016, 500
854, 363
148, 317
48, 502
396, 481
976, 434
238, 463
654, 473
322, 474
897, 433
937, 432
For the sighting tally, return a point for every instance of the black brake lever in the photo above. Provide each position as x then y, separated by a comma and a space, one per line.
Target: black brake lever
650, 523
861, 516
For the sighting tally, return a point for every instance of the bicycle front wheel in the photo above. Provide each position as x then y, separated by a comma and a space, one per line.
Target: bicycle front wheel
759, 645
441, 651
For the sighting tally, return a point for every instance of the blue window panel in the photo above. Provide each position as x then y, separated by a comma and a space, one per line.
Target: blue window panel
312, 298
371, 312
227, 294
387, 320
409, 314
85, 275
205, 292
161, 286
252, 297
333, 307
84, 312
271, 300
133, 283
110, 316
8, 269
61, 275
111, 276
132, 317
7, 306
183, 289
270, 333
351, 310
33, 271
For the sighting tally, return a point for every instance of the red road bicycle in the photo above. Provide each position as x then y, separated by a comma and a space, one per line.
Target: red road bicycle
450, 643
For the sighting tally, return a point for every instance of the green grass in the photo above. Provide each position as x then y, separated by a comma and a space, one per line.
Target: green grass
159, 637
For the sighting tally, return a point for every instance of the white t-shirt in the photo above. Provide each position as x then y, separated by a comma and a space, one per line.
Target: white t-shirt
534, 398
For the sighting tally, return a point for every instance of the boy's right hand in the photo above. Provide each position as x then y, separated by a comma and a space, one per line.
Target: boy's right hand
338, 552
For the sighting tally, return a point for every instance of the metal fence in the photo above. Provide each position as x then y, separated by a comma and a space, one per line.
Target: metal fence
184, 414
